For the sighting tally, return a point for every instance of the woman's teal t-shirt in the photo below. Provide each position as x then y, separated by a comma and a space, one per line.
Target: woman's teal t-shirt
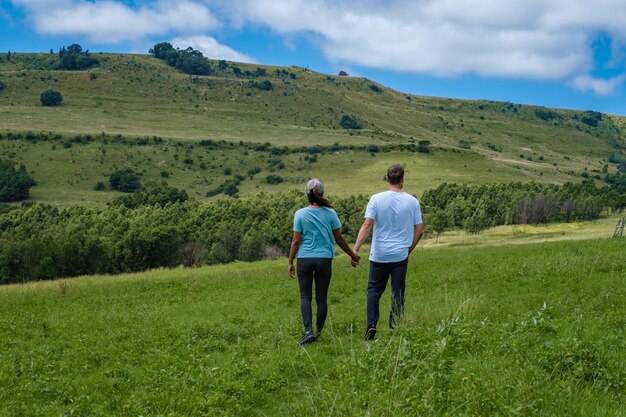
316, 226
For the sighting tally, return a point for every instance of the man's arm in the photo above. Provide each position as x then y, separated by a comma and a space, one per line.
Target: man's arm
418, 231
364, 232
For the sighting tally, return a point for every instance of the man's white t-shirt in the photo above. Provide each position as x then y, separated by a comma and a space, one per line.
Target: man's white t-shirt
395, 213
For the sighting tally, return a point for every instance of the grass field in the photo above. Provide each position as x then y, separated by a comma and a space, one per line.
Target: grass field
491, 328
67, 175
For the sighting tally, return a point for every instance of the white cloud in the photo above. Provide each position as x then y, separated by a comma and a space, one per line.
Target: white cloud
113, 22
538, 39
211, 48
600, 87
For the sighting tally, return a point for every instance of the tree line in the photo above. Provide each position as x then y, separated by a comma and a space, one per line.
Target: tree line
478, 207
156, 229
159, 226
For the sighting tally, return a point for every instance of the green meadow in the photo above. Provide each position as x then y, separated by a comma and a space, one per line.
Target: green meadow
532, 328
66, 173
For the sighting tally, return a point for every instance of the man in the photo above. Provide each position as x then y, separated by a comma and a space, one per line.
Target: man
397, 221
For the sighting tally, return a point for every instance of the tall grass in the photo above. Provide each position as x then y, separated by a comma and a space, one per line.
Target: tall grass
526, 329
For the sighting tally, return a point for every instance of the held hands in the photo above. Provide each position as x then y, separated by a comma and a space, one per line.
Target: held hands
355, 260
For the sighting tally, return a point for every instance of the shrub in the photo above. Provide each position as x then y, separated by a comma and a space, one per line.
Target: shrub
74, 58
590, 118
160, 194
423, 146
2, 85
350, 122
273, 179
464, 144
99, 186
15, 183
230, 188
265, 85
187, 60
343, 74
50, 98
494, 147
375, 88
125, 180
545, 114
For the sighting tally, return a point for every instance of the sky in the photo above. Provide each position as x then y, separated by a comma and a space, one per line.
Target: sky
567, 54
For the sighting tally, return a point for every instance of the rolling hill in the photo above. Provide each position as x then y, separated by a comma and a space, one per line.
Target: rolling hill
139, 97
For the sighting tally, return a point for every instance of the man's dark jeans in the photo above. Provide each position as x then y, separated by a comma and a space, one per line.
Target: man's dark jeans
377, 282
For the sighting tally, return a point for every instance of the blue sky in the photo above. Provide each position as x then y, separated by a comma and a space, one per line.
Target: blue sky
558, 53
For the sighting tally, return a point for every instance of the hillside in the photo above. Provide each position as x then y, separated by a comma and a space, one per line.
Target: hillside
490, 329
140, 96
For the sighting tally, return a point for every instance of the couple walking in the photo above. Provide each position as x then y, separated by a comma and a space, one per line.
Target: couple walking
396, 219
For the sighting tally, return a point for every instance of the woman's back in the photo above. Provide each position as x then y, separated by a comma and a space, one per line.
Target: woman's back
316, 225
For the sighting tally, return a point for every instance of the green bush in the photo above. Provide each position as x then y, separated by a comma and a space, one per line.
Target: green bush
423, 146
464, 144
51, 98
15, 183
350, 122
494, 147
74, 58
590, 118
273, 179
265, 85
160, 194
187, 60
125, 180
2, 85
545, 114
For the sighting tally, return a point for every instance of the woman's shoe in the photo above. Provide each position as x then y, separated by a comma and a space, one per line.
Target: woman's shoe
309, 337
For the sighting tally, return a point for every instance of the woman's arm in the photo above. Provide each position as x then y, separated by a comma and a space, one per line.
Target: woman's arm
293, 250
345, 247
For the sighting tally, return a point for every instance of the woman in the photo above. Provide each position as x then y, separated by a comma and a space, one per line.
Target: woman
316, 228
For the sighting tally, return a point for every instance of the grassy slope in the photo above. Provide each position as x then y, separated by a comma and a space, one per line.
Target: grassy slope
139, 95
493, 329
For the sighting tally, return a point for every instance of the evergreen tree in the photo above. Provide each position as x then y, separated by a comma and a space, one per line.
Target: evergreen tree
15, 183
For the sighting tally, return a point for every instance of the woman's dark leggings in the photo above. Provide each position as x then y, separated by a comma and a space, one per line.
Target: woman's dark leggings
320, 270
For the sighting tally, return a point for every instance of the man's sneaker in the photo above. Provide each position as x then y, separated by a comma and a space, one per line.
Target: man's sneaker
370, 333
309, 337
